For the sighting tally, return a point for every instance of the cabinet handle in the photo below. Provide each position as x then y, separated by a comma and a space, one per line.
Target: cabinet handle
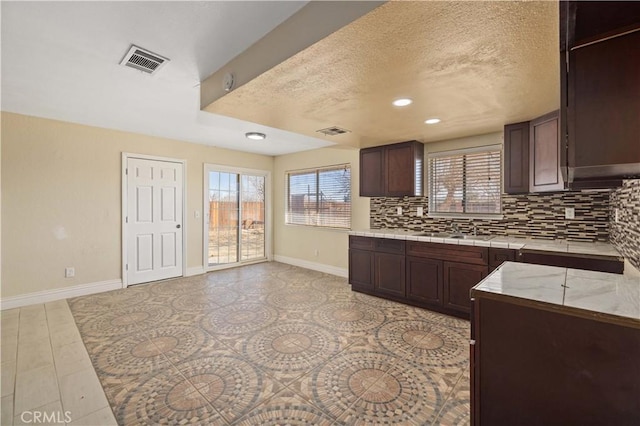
472, 342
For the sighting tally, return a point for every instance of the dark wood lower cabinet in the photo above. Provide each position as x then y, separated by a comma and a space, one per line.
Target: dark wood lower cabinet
532, 366
569, 260
389, 275
458, 280
440, 276
497, 256
361, 269
424, 280
418, 273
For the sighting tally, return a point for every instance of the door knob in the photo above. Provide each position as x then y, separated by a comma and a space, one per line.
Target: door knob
178, 226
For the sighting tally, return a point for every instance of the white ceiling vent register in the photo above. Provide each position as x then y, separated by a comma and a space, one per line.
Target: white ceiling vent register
143, 60
332, 131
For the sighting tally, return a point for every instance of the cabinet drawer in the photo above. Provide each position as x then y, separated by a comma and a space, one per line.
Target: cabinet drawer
497, 256
385, 245
361, 243
450, 252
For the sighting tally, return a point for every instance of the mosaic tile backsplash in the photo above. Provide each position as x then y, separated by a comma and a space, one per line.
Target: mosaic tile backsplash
625, 233
527, 215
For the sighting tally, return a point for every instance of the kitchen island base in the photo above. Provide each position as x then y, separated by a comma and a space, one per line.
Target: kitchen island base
535, 366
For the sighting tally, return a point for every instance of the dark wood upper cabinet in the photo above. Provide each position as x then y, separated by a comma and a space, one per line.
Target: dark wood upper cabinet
372, 172
544, 153
600, 65
596, 20
532, 156
395, 170
516, 158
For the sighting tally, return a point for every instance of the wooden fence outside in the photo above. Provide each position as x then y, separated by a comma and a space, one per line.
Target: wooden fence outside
225, 213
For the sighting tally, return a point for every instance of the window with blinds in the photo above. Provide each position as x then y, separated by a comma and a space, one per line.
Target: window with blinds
465, 182
319, 197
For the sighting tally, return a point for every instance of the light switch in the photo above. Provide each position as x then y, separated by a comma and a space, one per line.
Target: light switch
569, 213
196, 214
419, 211
399, 211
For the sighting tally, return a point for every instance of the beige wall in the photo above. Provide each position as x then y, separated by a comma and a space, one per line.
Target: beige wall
61, 199
300, 242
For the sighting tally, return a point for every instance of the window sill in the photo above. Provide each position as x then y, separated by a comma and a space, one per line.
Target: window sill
321, 228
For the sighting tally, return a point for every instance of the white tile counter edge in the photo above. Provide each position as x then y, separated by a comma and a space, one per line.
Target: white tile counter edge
496, 242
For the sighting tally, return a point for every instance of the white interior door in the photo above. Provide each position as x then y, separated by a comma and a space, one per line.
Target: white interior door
154, 220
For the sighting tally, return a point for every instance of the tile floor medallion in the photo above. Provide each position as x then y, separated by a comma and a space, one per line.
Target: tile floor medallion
273, 344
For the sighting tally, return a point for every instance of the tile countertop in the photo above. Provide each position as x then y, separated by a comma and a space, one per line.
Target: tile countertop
595, 295
561, 246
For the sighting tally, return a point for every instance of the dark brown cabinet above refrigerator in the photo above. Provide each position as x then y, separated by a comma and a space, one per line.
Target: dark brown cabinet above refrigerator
392, 170
600, 80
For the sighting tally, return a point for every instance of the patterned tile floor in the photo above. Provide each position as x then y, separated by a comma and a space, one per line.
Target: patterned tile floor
272, 344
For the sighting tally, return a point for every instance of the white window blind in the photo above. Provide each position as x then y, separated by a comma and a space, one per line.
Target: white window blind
465, 182
319, 197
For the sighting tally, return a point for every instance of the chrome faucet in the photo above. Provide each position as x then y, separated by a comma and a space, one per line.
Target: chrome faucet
474, 230
455, 228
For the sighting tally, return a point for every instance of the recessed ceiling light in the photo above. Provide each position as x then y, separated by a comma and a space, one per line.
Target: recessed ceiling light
432, 121
402, 102
255, 136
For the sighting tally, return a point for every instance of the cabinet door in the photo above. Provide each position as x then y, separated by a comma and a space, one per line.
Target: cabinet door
544, 154
516, 158
604, 100
497, 256
458, 280
361, 269
372, 172
424, 280
400, 170
389, 275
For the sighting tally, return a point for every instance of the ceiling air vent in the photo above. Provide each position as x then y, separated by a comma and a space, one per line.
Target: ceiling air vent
143, 60
334, 130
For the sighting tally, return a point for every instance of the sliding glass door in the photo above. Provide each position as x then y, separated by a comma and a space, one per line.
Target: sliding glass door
235, 216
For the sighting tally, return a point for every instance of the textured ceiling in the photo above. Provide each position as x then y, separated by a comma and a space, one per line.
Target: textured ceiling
474, 65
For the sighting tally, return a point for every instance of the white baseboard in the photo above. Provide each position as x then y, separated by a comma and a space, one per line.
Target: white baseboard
198, 270
321, 267
58, 293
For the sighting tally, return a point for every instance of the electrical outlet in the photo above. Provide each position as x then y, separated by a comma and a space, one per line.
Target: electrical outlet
399, 211
69, 272
419, 211
569, 213
316, 252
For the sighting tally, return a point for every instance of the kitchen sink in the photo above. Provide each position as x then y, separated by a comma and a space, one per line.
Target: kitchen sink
434, 234
455, 236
